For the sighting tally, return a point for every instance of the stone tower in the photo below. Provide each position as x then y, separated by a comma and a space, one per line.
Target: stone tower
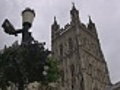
77, 46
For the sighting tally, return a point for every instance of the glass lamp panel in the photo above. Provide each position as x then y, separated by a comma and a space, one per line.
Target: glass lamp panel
28, 17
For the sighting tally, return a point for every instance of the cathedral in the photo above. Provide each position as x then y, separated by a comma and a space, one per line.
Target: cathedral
77, 46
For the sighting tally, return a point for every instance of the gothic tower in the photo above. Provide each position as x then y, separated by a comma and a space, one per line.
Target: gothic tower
77, 46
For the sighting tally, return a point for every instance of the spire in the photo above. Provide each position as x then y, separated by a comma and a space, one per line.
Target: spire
90, 21
91, 27
55, 21
74, 13
74, 8
55, 25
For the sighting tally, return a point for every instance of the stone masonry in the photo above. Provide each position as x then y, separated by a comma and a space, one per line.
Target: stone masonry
77, 46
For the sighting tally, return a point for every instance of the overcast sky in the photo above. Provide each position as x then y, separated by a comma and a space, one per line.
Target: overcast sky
105, 14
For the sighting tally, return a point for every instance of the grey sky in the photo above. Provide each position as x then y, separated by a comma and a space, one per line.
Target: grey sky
105, 13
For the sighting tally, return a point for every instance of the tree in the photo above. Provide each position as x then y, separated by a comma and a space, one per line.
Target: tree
23, 65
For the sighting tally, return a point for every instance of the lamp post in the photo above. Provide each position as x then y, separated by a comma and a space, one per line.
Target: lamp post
27, 19
31, 51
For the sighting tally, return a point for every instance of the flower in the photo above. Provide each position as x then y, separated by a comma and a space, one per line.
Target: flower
53, 84
46, 68
44, 73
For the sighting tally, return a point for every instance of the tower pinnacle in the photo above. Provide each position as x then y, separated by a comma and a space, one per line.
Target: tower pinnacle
55, 25
73, 5
91, 26
90, 21
55, 21
74, 14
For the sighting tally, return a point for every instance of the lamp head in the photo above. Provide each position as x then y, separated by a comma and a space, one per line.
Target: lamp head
8, 27
28, 17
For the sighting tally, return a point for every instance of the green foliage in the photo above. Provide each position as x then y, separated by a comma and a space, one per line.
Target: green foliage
52, 72
26, 64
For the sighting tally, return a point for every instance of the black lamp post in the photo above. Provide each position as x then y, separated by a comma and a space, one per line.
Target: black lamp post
27, 19
34, 50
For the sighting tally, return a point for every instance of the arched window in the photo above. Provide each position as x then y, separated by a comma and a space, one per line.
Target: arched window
85, 41
72, 70
70, 44
72, 76
61, 50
